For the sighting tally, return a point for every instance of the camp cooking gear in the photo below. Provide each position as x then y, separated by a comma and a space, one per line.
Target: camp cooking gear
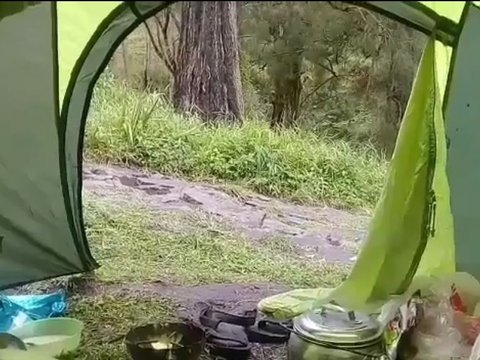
182, 341
9, 341
51, 336
333, 333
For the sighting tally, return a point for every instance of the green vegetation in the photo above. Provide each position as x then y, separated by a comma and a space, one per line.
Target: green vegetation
137, 128
326, 67
324, 87
137, 245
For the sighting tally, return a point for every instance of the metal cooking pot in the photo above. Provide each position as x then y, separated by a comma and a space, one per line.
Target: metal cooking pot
331, 333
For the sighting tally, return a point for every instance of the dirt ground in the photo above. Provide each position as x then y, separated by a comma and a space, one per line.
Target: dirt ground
317, 232
323, 232
229, 297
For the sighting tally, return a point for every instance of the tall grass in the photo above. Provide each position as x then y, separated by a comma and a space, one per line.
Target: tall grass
139, 128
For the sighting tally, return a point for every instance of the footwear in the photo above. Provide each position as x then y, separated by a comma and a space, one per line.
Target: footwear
269, 332
228, 342
210, 317
225, 333
229, 336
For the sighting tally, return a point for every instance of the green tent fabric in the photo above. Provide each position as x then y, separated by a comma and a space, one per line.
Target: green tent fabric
424, 225
399, 232
52, 53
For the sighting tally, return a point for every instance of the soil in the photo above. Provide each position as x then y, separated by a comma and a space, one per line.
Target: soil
189, 299
233, 298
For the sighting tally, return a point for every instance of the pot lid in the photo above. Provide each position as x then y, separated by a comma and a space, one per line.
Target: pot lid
333, 324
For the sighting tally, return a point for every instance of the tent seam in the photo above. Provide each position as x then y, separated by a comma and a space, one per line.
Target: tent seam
448, 29
87, 259
86, 108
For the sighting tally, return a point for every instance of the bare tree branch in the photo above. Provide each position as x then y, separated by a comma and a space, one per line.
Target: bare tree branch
316, 89
158, 49
328, 67
165, 48
165, 41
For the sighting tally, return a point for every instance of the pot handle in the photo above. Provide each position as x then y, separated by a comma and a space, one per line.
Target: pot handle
336, 306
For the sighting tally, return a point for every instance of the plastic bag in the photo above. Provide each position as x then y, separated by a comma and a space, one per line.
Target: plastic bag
468, 325
475, 354
17, 310
437, 336
466, 312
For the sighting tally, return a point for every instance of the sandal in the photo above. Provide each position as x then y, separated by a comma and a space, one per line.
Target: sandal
210, 317
225, 333
230, 336
228, 342
269, 332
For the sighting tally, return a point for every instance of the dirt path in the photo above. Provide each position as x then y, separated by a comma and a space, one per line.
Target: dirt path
229, 297
318, 231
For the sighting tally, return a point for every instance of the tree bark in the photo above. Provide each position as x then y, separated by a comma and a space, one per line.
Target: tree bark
286, 96
207, 79
146, 71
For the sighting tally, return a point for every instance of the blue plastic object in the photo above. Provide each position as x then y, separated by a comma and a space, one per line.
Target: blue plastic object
18, 310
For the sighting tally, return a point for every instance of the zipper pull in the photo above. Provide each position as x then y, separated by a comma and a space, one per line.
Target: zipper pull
432, 213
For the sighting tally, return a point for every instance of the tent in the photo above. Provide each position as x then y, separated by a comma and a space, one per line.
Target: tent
52, 53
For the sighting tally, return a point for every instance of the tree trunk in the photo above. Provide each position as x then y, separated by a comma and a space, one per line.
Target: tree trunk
286, 97
146, 71
207, 79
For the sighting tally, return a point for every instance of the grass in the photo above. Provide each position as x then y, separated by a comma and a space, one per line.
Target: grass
107, 318
137, 245
141, 129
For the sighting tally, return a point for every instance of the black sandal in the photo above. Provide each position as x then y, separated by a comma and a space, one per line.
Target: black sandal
227, 345
230, 336
269, 332
211, 317
226, 334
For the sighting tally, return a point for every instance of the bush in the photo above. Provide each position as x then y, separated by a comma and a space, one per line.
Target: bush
138, 128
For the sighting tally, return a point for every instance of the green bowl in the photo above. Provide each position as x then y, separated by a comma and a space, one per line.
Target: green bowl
50, 337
